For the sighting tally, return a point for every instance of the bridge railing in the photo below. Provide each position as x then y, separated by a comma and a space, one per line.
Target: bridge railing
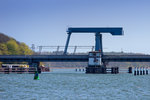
59, 50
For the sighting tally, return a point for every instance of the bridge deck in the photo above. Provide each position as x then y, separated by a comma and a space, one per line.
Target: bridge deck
126, 58
44, 58
73, 58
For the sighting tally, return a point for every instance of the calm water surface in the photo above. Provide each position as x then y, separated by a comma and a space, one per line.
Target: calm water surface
70, 85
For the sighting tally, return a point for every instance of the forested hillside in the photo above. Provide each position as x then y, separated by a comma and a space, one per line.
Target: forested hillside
9, 46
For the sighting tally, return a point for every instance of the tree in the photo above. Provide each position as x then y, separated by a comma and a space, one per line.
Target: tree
3, 49
25, 50
9, 46
13, 47
1, 52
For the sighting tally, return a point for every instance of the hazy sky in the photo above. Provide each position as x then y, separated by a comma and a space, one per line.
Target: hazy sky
44, 22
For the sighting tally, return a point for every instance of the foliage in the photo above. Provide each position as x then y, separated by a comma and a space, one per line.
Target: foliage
13, 47
3, 49
10, 46
25, 50
0, 64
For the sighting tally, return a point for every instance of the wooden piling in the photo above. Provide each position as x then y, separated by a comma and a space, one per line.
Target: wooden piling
117, 69
143, 71
137, 71
146, 71
140, 71
130, 70
112, 70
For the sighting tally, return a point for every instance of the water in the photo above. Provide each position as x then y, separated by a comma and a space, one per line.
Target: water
70, 85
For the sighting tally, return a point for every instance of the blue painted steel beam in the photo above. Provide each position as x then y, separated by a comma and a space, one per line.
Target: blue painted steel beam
44, 58
73, 58
67, 43
98, 43
98, 36
112, 30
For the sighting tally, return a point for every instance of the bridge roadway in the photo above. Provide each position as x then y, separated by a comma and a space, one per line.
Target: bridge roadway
72, 58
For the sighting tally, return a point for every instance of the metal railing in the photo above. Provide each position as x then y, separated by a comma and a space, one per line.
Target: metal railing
58, 50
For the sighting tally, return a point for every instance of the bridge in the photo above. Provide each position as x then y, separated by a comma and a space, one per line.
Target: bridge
95, 58
73, 58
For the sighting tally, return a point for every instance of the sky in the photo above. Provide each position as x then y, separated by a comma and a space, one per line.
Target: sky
44, 22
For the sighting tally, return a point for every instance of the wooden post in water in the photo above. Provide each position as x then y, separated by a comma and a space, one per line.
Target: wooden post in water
140, 70
130, 70
117, 69
112, 70
146, 70
143, 71
135, 71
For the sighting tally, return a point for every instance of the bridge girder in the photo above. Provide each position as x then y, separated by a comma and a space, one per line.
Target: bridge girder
73, 58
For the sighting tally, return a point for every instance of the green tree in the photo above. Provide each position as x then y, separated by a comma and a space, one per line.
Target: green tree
0, 64
9, 46
3, 49
25, 50
1, 52
13, 47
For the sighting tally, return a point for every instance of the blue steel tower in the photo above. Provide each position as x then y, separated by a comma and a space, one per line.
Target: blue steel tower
98, 35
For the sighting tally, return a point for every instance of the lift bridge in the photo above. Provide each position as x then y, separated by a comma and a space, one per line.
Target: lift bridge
95, 58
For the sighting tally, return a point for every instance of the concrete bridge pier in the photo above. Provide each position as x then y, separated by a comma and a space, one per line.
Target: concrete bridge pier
95, 64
